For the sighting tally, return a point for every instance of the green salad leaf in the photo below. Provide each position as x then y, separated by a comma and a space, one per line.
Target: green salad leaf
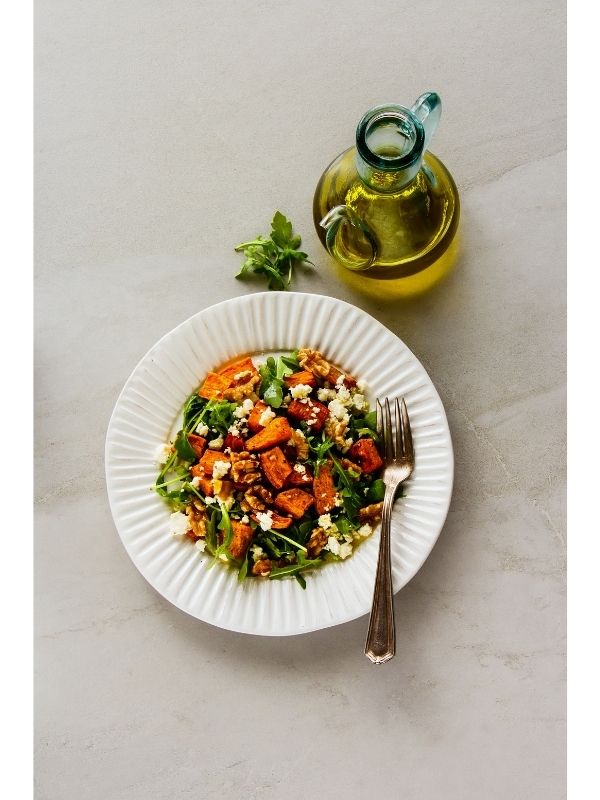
274, 256
272, 372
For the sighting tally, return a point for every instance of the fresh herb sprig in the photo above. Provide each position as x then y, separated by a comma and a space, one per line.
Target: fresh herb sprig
274, 256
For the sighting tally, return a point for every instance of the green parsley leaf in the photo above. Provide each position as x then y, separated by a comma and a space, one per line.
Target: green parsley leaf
273, 257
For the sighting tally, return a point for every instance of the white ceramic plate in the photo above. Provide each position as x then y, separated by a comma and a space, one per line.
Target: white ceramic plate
151, 401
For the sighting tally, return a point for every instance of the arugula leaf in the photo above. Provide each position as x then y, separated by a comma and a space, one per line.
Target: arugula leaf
243, 570
293, 569
292, 362
351, 499
184, 449
275, 256
376, 491
366, 425
193, 411
319, 449
220, 415
272, 372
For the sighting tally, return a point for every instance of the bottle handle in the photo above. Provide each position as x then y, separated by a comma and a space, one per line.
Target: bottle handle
428, 110
364, 252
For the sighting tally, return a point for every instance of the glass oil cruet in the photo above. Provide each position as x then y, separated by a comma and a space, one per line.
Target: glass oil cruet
388, 207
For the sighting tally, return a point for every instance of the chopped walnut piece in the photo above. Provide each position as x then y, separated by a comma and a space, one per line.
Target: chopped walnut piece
314, 362
256, 498
245, 469
317, 541
336, 429
197, 520
262, 567
242, 388
298, 440
369, 513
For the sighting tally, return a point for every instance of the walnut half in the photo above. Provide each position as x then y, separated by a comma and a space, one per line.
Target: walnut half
317, 541
257, 499
244, 469
370, 513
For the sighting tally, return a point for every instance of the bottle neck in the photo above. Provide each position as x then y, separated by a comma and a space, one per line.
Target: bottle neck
390, 142
385, 180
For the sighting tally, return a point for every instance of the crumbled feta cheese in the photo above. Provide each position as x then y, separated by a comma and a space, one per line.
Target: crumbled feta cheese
340, 380
338, 501
358, 401
234, 429
343, 395
245, 519
244, 409
301, 390
162, 453
257, 552
338, 410
345, 550
265, 520
201, 545
267, 415
209, 500
195, 481
220, 469
325, 395
364, 530
333, 545
202, 429
300, 468
178, 524
325, 521
216, 444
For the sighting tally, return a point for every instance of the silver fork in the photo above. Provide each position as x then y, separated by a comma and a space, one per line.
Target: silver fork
399, 461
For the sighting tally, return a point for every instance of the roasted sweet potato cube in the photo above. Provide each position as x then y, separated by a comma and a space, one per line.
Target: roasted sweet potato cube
296, 378
208, 460
237, 368
214, 386
366, 453
324, 490
334, 375
255, 415
278, 523
277, 432
313, 412
300, 479
198, 444
242, 535
206, 484
234, 443
294, 502
275, 466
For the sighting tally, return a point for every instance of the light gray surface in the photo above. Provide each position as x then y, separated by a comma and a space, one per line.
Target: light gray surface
166, 133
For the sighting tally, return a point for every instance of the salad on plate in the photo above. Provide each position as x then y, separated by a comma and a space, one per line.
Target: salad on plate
276, 469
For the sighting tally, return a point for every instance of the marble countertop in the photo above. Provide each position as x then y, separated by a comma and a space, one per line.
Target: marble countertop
165, 134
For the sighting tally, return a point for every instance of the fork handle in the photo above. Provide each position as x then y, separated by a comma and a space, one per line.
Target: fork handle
381, 638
